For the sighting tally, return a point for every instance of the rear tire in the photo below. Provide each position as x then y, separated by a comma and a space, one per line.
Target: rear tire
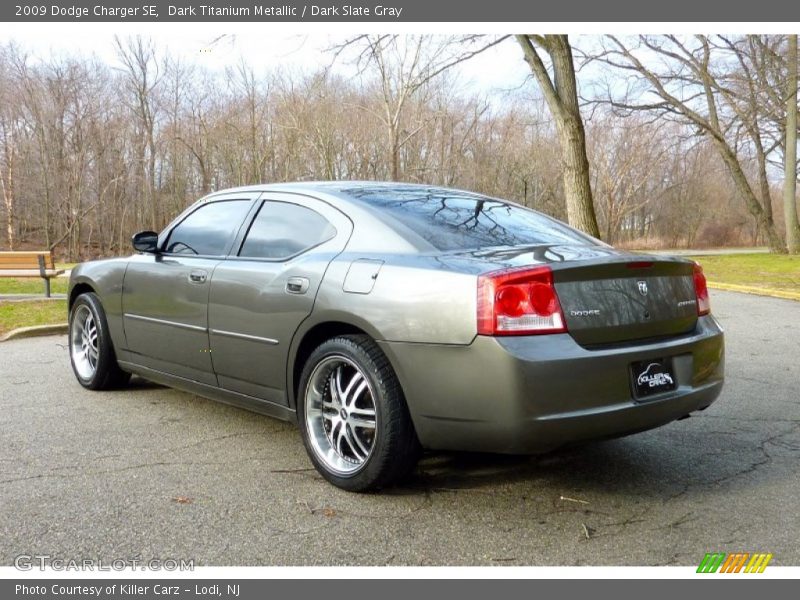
353, 416
91, 350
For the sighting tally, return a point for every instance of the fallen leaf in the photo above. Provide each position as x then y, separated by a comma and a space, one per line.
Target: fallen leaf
182, 499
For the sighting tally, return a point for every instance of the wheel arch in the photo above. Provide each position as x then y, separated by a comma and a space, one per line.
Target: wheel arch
105, 372
310, 337
104, 278
82, 287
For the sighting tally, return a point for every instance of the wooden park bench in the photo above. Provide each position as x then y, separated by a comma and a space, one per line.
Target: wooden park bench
37, 263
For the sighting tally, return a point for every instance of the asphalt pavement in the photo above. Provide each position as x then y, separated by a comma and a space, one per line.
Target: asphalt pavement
150, 472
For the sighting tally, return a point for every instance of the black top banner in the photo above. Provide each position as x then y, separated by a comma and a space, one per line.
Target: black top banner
406, 11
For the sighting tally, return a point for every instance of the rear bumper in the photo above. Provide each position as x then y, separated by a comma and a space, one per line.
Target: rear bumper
532, 394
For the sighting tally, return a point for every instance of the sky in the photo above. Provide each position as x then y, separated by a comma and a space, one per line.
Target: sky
499, 68
301, 46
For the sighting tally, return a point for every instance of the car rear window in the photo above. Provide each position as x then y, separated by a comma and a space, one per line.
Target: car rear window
451, 221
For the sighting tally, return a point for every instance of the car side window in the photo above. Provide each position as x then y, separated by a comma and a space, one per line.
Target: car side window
209, 229
281, 230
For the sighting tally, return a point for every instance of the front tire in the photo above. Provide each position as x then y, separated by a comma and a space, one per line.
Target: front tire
91, 350
353, 416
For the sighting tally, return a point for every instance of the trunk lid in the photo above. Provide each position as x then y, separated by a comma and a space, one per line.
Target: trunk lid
609, 296
617, 301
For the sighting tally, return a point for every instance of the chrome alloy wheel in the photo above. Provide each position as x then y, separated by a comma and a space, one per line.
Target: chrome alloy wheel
340, 414
84, 342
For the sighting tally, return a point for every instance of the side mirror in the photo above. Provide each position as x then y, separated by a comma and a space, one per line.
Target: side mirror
145, 241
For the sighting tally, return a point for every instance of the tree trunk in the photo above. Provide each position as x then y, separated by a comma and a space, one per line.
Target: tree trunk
151, 179
8, 200
577, 188
763, 178
763, 219
7, 184
394, 138
790, 156
561, 95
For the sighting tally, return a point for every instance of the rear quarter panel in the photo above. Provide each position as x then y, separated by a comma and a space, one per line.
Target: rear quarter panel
414, 299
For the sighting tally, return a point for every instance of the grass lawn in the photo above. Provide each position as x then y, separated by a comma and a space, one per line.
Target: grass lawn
32, 285
27, 314
775, 271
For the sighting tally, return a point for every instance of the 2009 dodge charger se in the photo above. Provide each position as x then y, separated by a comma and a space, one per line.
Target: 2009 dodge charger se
385, 318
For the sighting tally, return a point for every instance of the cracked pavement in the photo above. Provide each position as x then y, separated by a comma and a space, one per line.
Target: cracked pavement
152, 472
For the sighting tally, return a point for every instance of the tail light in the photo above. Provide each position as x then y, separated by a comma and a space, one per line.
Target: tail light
701, 291
519, 302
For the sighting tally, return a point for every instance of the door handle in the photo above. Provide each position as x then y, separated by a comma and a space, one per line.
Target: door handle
296, 285
198, 276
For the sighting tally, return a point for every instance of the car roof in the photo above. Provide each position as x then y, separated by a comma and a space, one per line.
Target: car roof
358, 199
345, 189
377, 226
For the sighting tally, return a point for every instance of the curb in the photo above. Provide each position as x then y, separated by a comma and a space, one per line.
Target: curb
31, 297
757, 291
26, 332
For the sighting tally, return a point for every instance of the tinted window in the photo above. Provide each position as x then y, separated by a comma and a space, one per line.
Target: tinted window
209, 229
281, 230
451, 220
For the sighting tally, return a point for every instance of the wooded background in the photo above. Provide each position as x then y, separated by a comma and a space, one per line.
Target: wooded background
685, 137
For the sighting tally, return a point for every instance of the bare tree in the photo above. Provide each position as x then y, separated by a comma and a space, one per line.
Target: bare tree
790, 153
141, 77
687, 85
404, 66
99, 152
627, 158
560, 91
7, 178
8, 158
250, 123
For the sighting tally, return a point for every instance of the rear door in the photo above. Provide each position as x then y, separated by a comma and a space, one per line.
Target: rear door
262, 292
165, 296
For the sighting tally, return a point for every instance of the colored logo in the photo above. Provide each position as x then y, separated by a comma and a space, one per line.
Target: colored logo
738, 562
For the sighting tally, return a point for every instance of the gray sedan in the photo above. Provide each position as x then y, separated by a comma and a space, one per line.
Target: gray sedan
389, 318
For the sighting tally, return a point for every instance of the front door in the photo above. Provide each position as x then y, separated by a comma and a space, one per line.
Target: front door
165, 296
